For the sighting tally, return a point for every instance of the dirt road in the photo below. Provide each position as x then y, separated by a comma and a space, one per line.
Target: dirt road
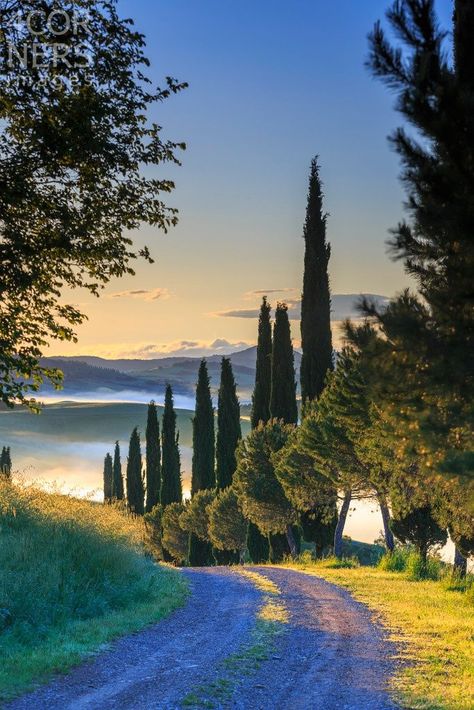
329, 654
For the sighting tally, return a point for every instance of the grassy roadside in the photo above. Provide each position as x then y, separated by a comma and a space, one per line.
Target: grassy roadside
433, 624
73, 576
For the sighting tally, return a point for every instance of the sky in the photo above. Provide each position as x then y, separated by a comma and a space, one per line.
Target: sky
272, 83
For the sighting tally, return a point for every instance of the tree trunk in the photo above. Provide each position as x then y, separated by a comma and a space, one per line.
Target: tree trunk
291, 541
460, 563
389, 542
341, 521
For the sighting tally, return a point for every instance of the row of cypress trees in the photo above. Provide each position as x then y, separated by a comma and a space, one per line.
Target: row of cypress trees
162, 480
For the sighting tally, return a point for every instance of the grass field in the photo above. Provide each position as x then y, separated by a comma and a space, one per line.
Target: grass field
432, 621
73, 576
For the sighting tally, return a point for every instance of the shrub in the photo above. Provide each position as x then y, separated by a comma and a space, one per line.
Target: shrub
418, 568
395, 561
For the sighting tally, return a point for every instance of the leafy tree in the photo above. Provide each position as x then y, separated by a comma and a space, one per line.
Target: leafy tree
261, 495
227, 524
419, 528
108, 478
76, 152
316, 338
229, 431
154, 531
171, 487
257, 544
283, 397
263, 373
153, 458
195, 517
203, 473
135, 490
427, 382
117, 481
175, 539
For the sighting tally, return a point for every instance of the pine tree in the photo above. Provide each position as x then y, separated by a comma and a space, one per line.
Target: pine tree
428, 335
203, 473
117, 482
283, 393
316, 338
108, 478
135, 490
153, 458
263, 373
229, 431
171, 487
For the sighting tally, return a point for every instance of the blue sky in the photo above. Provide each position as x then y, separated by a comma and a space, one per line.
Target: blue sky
272, 83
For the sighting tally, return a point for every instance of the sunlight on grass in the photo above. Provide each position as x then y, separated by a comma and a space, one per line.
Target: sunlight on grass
73, 575
433, 625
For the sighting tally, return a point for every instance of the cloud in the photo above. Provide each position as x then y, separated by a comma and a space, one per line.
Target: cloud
143, 294
268, 292
342, 306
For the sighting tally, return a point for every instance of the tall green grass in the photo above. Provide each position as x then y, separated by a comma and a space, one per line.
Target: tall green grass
73, 575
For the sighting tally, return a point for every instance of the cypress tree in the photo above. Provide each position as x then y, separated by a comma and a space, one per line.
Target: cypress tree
135, 490
229, 431
316, 338
171, 488
108, 478
6, 463
203, 473
283, 394
117, 481
263, 373
153, 458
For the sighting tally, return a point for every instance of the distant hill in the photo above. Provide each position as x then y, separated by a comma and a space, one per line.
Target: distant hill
90, 374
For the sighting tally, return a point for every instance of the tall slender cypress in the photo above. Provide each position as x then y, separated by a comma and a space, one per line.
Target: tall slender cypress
283, 397
117, 480
153, 458
229, 431
135, 490
316, 337
108, 475
171, 487
263, 372
203, 473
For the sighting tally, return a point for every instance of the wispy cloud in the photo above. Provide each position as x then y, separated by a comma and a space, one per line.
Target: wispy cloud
342, 306
268, 292
151, 351
143, 294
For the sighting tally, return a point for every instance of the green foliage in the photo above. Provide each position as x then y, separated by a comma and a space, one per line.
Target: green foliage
117, 480
76, 163
203, 473
227, 525
171, 486
419, 528
174, 539
426, 381
316, 338
283, 393
195, 516
319, 527
153, 458
263, 374
395, 561
260, 493
257, 544
108, 475
154, 531
419, 568
72, 577
229, 431
135, 490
